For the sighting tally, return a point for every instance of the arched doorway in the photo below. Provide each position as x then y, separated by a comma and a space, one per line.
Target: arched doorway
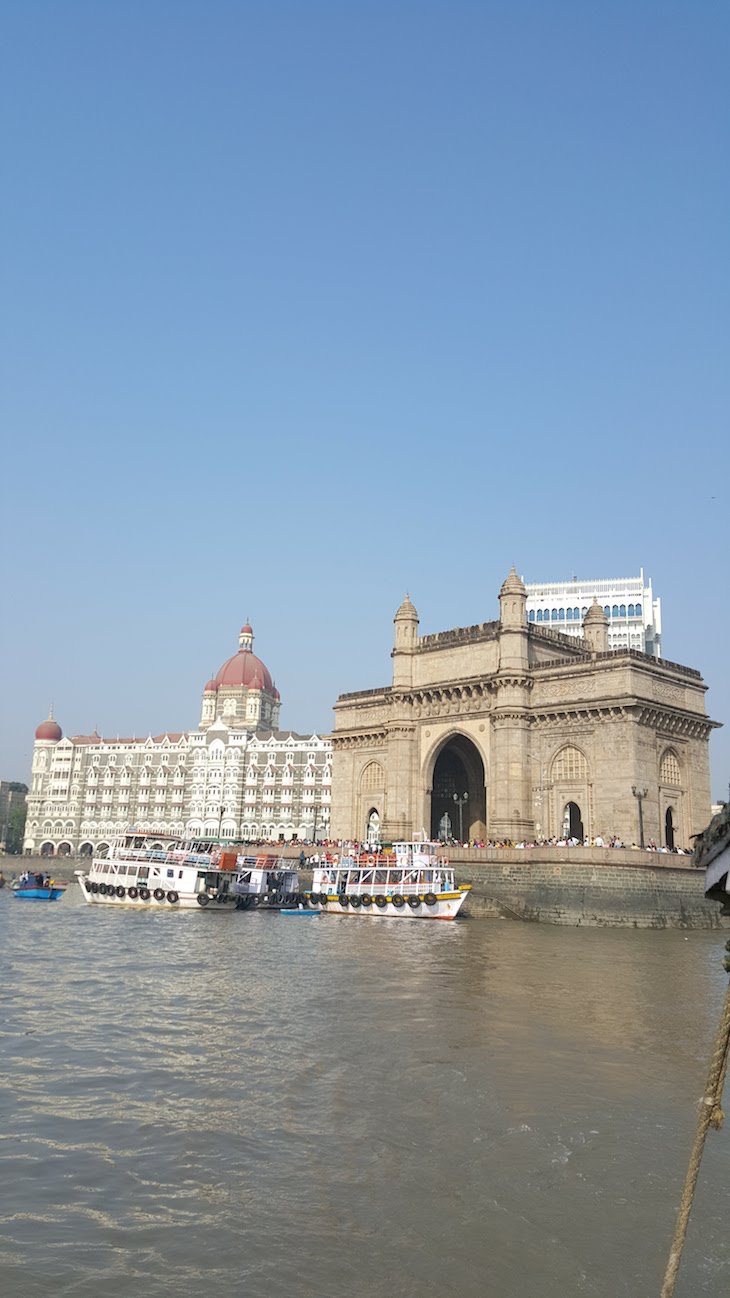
458, 794
669, 829
47, 849
573, 822
373, 828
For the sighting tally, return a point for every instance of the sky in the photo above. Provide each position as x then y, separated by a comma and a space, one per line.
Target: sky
307, 306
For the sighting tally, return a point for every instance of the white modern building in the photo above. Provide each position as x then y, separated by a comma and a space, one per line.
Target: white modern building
634, 615
236, 777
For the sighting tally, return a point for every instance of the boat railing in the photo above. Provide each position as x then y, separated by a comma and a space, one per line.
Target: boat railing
384, 880
404, 856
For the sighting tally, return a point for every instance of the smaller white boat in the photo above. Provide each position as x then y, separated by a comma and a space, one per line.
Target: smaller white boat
412, 881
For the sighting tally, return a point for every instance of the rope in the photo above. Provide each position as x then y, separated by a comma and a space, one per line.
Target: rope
710, 1114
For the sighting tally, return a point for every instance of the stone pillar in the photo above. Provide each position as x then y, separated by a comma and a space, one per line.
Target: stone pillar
402, 783
510, 812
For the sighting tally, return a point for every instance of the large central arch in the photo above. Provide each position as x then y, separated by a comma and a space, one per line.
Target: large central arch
458, 769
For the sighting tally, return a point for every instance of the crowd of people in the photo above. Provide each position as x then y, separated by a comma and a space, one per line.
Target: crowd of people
610, 840
31, 879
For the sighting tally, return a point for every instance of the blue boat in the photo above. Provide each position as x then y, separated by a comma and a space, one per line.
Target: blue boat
37, 887
306, 911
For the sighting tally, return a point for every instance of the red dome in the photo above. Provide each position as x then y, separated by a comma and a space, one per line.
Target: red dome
247, 629
244, 669
49, 729
212, 685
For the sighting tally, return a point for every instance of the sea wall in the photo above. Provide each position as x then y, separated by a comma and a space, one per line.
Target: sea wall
593, 886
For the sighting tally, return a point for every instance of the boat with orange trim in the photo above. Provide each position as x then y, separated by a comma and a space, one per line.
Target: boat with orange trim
411, 881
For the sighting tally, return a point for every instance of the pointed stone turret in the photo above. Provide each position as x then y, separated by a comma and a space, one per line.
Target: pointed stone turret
513, 600
513, 623
595, 629
406, 637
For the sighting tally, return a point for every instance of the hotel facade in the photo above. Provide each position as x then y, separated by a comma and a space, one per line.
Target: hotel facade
237, 776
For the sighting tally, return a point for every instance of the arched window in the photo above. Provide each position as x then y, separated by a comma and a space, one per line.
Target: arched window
561, 615
532, 615
630, 610
622, 611
373, 777
569, 765
554, 615
607, 610
576, 615
569, 615
539, 615
669, 772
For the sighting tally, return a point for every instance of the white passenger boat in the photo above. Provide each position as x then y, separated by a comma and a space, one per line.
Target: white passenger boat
413, 881
149, 871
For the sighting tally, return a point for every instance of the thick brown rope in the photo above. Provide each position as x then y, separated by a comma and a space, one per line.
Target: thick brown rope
710, 1114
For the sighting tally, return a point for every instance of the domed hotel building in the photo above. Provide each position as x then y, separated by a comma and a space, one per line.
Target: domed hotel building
238, 776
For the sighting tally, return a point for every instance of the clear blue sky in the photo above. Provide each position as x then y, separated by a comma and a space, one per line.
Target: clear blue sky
307, 305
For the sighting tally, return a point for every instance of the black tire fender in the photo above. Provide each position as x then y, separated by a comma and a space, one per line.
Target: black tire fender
159, 894
144, 894
133, 893
172, 896
398, 901
381, 901
203, 899
431, 899
120, 890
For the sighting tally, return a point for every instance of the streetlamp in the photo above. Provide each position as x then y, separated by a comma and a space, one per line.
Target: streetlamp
640, 794
220, 819
314, 825
460, 801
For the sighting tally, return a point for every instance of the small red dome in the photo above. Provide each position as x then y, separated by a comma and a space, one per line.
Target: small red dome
210, 687
49, 729
247, 629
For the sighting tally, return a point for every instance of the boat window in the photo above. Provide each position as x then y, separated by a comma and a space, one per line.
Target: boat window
171, 874
179, 874
144, 871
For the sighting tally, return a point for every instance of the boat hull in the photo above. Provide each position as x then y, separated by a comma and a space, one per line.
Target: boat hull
183, 901
446, 907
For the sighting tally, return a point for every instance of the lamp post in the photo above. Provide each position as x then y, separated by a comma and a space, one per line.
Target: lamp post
460, 801
314, 825
640, 794
220, 820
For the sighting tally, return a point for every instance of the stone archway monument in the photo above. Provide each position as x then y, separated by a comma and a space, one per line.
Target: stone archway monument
484, 710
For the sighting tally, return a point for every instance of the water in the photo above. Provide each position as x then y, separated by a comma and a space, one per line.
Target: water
248, 1104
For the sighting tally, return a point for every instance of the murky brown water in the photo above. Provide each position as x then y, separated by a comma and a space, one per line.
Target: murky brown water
248, 1104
